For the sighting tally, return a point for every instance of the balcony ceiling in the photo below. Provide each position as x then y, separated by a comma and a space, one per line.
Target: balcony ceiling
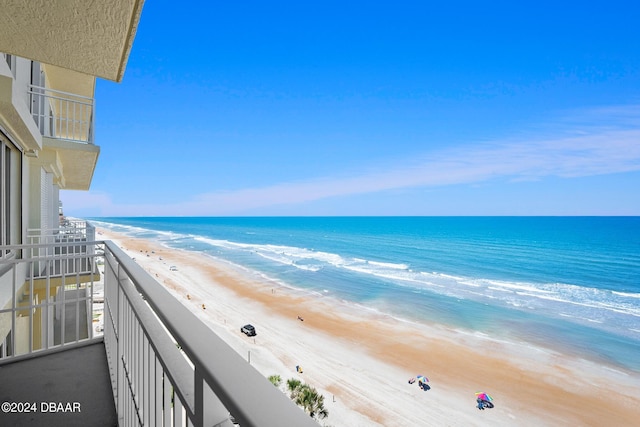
70, 81
91, 37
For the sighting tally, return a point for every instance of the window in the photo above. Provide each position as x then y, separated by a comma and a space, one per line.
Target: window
10, 194
11, 62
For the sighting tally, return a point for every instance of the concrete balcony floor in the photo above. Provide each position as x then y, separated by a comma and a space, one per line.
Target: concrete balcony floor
69, 388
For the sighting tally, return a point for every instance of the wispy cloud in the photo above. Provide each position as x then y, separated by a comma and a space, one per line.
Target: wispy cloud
583, 149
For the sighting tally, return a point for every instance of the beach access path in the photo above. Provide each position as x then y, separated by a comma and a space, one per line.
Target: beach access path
361, 360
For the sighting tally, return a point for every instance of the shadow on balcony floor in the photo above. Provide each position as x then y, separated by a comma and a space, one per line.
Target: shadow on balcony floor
75, 379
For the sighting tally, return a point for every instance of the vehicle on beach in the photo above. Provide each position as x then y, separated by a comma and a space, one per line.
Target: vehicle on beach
248, 330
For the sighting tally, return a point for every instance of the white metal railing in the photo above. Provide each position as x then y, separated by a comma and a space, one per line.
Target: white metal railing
62, 115
69, 230
167, 367
47, 298
47, 242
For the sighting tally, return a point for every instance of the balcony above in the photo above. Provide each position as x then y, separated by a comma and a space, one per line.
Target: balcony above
77, 161
62, 115
93, 38
66, 123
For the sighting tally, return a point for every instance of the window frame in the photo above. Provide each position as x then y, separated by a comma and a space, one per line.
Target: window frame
11, 168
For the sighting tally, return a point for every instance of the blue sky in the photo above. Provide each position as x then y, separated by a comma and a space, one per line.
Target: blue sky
372, 108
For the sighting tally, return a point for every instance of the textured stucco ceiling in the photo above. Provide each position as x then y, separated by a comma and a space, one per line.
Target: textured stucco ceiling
90, 36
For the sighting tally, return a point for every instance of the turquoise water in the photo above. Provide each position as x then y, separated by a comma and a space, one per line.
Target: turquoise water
565, 282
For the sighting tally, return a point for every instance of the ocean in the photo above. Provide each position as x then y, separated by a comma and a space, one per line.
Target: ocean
568, 283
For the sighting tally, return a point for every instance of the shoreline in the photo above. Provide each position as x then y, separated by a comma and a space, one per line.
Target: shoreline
361, 361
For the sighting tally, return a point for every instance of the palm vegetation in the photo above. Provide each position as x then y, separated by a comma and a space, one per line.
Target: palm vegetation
307, 398
276, 380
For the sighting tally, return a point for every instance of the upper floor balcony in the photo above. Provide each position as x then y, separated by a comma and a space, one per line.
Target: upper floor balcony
62, 115
66, 122
52, 121
69, 230
79, 261
118, 347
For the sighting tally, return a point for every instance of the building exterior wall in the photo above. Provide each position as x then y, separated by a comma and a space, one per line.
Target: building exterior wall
29, 197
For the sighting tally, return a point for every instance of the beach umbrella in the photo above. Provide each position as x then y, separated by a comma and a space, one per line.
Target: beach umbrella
484, 396
422, 379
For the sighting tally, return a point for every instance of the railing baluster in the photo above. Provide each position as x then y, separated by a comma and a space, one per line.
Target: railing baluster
48, 315
145, 381
158, 385
137, 367
77, 309
58, 120
30, 318
120, 342
66, 132
167, 404
178, 414
61, 306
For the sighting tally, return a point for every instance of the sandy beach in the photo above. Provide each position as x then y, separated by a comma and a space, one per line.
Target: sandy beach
361, 360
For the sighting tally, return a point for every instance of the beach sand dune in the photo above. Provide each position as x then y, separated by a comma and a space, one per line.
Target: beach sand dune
361, 361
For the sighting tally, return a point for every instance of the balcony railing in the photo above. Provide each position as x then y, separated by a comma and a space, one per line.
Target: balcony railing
48, 242
62, 115
167, 367
69, 230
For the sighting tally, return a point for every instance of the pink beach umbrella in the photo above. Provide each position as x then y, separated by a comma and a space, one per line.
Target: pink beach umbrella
483, 396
